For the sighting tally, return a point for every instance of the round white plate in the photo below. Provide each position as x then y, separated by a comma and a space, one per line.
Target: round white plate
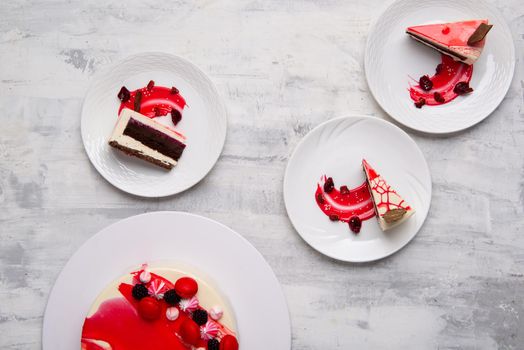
237, 268
336, 148
204, 123
392, 57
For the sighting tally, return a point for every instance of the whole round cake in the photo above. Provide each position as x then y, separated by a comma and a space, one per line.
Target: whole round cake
159, 308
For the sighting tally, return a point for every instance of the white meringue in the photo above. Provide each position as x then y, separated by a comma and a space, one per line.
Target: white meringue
156, 289
209, 330
145, 276
189, 305
216, 313
172, 313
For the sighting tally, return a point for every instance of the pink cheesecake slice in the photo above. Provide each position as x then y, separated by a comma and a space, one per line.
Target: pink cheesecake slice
463, 41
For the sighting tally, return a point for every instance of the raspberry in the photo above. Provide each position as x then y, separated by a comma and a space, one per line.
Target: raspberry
438, 97
139, 291
200, 317
124, 95
171, 297
421, 102
329, 185
462, 88
355, 224
150, 85
425, 83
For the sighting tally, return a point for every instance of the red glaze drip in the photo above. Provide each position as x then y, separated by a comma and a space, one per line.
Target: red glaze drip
452, 72
117, 322
156, 102
357, 203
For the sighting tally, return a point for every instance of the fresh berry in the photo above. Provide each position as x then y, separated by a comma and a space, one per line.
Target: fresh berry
438, 70
421, 102
186, 287
150, 85
171, 297
124, 95
139, 291
200, 317
174, 90
190, 332
229, 342
438, 97
176, 116
149, 308
213, 344
344, 190
355, 224
329, 185
425, 83
334, 217
320, 198
462, 88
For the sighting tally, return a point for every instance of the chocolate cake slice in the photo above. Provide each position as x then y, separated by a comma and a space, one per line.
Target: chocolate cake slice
144, 138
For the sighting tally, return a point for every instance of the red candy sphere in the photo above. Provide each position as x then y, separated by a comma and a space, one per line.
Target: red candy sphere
229, 342
186, 287
149, 308
190, 332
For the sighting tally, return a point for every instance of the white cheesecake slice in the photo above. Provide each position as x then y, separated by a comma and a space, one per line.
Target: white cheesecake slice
391, 209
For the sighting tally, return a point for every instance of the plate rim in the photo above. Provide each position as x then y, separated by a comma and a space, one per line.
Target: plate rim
45, 325
307, 136
488, 112
220, 103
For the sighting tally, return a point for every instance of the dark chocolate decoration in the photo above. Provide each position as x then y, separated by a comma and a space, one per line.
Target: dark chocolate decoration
479, 34
138, 101
154, 139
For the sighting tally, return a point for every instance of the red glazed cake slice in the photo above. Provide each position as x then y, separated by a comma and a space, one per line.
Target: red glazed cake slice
463, 41
144, 138
390, 207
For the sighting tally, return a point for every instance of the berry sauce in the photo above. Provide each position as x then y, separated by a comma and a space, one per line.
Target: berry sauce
118, 323
156, 101
345, 206
449, 74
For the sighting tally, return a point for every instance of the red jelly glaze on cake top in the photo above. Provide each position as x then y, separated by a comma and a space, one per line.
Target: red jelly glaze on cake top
156, 101
345, 206
450, 73
118, 322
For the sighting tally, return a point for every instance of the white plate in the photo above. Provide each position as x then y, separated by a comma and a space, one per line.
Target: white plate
204, 122
336, 148
237, 268
391, 57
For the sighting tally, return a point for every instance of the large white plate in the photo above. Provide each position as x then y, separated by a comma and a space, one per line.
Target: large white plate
237, 268
391, 57
336, 148
204, 123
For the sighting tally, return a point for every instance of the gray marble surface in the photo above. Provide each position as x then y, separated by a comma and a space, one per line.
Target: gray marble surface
282, 67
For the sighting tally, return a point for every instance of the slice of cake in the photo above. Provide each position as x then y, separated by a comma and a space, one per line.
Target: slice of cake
142, 137
390, 208
463, 41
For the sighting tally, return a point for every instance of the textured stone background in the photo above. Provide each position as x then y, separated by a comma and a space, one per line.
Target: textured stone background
282, 67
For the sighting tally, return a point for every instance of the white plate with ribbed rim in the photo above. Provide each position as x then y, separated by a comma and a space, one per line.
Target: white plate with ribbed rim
392, 57
240, 272
336, 148
204, 123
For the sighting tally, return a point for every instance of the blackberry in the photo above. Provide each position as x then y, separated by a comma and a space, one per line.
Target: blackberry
200, 317
139, 291
171, 297
213, 344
